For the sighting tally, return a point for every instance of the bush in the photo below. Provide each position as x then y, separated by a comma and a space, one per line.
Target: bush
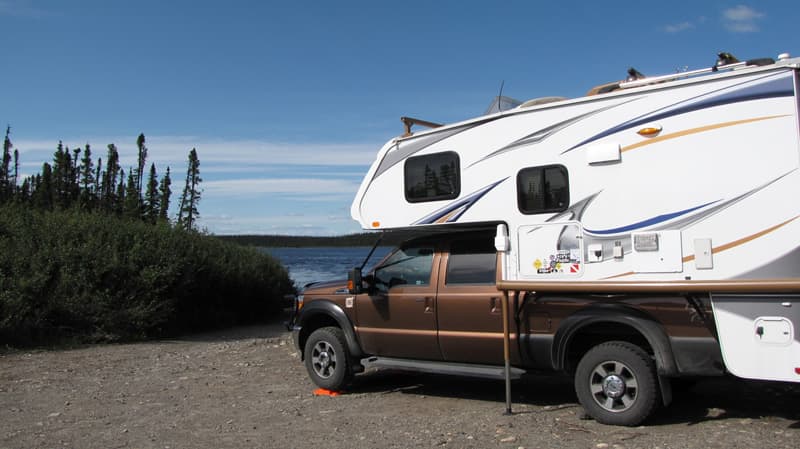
90, 277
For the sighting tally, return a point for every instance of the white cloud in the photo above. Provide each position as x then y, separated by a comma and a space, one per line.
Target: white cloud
229, 152
741, 19
236, 155
678, 27
293, 186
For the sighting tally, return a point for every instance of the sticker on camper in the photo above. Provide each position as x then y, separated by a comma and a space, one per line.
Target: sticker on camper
562, 262
551, 250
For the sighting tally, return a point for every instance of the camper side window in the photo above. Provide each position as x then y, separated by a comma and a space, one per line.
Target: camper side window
543, 189
432, 177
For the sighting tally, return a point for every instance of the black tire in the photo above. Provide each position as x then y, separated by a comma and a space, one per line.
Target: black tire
327, 359
617, 384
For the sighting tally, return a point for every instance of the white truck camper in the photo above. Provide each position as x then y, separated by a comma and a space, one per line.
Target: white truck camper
680, 183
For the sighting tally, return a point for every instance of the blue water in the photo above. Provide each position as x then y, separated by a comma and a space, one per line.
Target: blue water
324, 263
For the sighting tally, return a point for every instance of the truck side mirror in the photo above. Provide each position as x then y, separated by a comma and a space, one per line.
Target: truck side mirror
354, 281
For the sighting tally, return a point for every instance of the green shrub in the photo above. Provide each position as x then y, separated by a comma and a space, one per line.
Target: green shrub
90, 277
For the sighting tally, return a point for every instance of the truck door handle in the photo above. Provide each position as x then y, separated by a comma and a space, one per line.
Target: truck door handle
428, 301
494, 305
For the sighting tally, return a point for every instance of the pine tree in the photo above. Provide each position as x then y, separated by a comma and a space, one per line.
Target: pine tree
87, 180
43, 192
14, 188
188, 213
98, 184
63, 177
120, 196
164, 194
108, 197
141, 159
24, 194
151, 204
6, 189
131, 205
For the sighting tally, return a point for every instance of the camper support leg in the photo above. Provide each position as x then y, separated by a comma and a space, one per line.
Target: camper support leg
507, 352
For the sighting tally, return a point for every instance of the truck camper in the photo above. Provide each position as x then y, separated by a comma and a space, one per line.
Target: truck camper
646, 231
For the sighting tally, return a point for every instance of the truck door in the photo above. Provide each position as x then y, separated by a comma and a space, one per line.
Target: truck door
398, 317
469, 304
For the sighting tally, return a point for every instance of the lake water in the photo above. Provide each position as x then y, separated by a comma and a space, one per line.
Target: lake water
324, 263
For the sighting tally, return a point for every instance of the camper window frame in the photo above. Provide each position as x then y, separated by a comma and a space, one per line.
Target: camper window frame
449, 196
543, 169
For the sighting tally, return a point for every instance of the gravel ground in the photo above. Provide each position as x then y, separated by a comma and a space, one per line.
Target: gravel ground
246, 387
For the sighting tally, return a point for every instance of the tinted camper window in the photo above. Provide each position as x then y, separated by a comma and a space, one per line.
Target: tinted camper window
432, 177
543, 189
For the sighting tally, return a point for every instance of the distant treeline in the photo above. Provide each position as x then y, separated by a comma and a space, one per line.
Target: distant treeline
75, 180
89, 254
284, 241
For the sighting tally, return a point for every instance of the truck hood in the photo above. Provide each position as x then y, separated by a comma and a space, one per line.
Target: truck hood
326, 287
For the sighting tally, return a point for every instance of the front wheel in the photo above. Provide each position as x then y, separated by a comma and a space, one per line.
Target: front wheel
326, 358
616, 383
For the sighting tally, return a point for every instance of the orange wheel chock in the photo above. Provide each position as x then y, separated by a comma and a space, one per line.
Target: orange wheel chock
324, 392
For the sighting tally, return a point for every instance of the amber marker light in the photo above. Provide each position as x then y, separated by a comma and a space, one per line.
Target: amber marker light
650, 131
376, 224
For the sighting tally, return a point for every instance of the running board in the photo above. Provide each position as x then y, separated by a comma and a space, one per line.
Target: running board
425, 366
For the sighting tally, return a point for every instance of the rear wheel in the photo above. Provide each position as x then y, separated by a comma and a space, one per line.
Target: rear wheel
616, 383
326, 358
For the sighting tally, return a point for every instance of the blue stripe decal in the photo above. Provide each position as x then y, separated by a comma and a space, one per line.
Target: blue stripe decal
649, 222
779, 87
464, 203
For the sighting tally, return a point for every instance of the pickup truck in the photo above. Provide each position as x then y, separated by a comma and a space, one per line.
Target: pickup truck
432, 305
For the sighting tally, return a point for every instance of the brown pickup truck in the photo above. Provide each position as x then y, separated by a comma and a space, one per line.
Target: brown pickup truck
432, 305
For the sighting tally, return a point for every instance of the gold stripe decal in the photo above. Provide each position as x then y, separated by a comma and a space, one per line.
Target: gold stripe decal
744, 240
697, 130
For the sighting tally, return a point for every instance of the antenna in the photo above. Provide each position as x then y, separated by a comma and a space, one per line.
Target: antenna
500, 97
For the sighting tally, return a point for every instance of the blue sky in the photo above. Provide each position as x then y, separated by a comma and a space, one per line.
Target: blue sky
287, 103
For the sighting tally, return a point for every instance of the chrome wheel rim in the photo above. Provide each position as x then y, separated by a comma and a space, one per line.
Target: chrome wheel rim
323, 359
614, 386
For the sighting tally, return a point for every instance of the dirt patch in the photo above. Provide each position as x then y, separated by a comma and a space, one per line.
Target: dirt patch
246, 387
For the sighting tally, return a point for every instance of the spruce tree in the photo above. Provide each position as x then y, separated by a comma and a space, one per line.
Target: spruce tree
120, 196
63, 177
164, 193
188, 213
14, 188
131, 205
24, 194
43, 193
141, 159
98, 184
87, 180
5, 169
151, 204
108, 196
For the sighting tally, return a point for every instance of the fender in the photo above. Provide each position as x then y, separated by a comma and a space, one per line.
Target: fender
643, 323
325, 308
